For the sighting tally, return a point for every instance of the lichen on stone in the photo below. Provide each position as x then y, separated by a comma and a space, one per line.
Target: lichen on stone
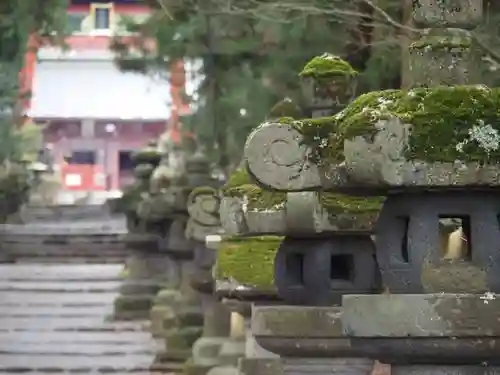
444, 39
249, 261
448, 123
335, 203
328, 65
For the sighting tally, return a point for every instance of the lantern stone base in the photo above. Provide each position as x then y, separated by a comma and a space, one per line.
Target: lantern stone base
425, 333
444, 370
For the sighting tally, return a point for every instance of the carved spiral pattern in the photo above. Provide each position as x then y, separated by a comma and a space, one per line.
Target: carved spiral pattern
277, 158
203, 207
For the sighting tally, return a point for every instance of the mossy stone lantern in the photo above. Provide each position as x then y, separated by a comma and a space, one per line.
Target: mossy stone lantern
328, 83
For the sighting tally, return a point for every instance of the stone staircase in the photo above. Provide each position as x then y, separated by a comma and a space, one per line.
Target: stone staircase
65, 234
56, 318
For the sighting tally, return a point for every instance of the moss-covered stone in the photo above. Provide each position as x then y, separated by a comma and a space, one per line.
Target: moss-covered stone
148, 155
259, 199
285, 108
130, 199
444, 39
328, 65
448, 123
336, 204
248, 261
238, 177
144, 171
203, 190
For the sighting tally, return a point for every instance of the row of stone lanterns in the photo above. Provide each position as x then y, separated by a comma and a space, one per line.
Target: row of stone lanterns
433, 151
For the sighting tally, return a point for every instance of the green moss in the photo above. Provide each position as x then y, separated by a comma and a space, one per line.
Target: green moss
130, 199
328, 65
285, 108
204, 190
240, 185
238, 178
442, 119
144, 171
257, 198
339, 204
148, 155
248, 261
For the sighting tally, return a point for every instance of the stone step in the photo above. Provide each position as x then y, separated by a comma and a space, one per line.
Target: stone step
62, 272
56, 312
31, 299
78, 286
54, 286
90, 349
68, 259
64, 338
72, 363
86, 324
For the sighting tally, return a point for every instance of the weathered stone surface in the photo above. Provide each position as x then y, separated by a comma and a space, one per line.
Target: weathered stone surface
277, 157
301, 214
261, 366
319, 271
459, 13
424, 315
296, 321
224, 370
300, 331
323, 366
445, 370
203, 208
410, 253
380, 161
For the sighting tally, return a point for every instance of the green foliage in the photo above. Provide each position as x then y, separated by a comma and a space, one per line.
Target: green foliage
14, 185
28, 140
18, 21
251, 52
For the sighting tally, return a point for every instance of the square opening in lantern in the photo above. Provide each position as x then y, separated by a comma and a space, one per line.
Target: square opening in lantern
455, 237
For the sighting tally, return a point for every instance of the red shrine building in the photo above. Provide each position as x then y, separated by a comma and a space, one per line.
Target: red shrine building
95, 115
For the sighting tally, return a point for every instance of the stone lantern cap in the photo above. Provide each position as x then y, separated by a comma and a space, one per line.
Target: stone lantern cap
147, 155
143, 171
285, 108
328, 65
437, 137
245, 266
248, 209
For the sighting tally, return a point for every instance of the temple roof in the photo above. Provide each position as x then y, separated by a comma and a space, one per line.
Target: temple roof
94, 88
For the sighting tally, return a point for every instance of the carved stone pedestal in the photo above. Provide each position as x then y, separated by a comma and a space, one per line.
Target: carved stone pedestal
308, 339
427, 333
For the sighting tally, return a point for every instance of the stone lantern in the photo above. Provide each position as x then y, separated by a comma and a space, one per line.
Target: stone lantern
203, 207
327, 250
433, 150
243, 273
328, 84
